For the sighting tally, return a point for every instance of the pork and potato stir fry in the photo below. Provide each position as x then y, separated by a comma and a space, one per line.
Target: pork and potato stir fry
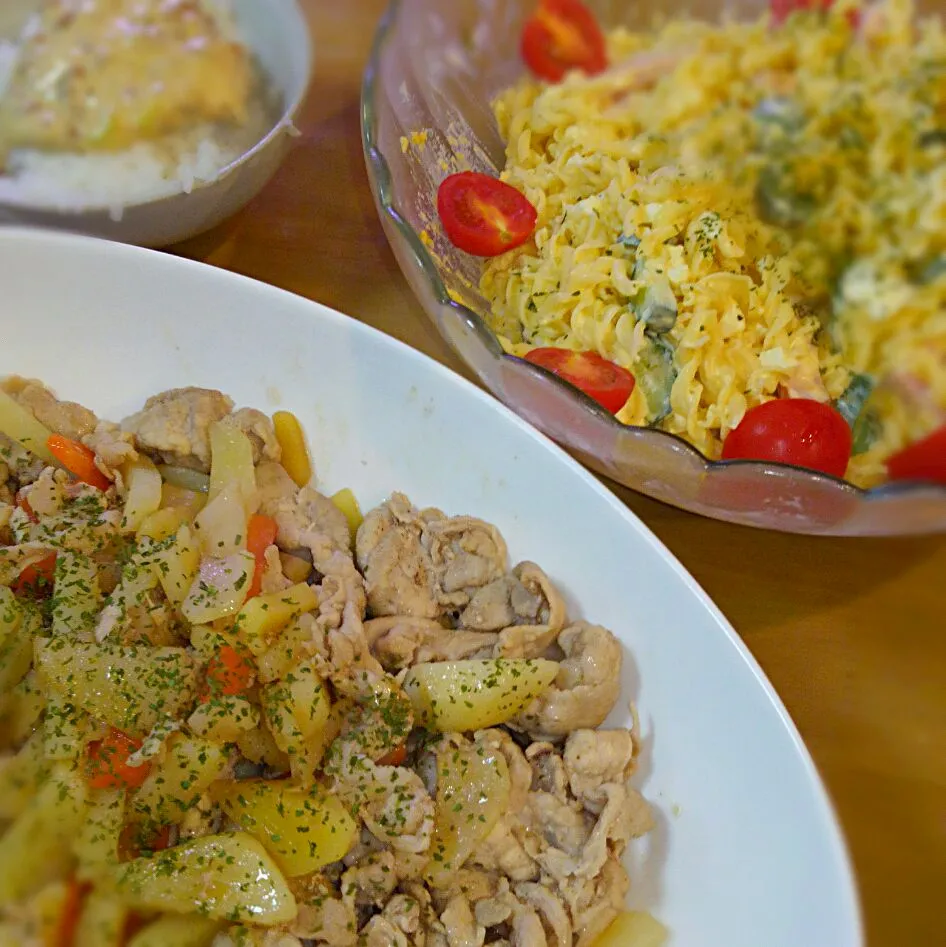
233, 711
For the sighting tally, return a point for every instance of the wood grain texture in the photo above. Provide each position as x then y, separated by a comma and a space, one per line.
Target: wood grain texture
851, 633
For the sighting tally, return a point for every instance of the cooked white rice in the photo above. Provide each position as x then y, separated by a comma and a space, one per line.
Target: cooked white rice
145, 172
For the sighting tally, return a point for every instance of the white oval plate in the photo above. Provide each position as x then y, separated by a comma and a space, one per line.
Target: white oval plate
747, 852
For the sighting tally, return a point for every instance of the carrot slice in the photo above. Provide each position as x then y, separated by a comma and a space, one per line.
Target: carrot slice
108, 766
230, 673
78, 460
71, 912
396, 757
260, 535
36, 581
23, 502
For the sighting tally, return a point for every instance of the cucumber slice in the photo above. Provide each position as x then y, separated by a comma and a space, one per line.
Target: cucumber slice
655, 374
865, 425
778, 202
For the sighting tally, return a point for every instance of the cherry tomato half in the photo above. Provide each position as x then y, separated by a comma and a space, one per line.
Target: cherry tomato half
563, 35
793, 431
483, 215
924, 460
608, 384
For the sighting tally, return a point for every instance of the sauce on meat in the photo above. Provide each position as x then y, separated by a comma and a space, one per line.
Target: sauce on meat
98, 75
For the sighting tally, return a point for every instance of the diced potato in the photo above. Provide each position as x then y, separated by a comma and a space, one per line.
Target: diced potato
231, 465
189, 766
634, 929
220, 588
295, 453
452, 696
303, 829
39, 920
189, 501
177, 565
96, 844
11, 933
20, 710
284, 653
223, 718
21, 775
184, 931
131, 688
207, 640
143, 492
139, 577
10, 612
217, 876
19, 424
378, 726
472, 795
345, 500
102, 921
298, 713
16, 642
220, 526
35, 851
264, 616
65, 729
259, 746
162, 524
295, 568
77, 598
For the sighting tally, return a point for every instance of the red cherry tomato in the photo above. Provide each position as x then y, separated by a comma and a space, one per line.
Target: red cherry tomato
924, 460
794, 431
563, 35
607, 383
483, 215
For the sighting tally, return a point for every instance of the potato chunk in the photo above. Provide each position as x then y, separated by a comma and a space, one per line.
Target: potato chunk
264, 616
181, 931
472, 794
189, 766
130, 688
222, 877
633, 929
456, 696
303, 829
298, 713
35, 850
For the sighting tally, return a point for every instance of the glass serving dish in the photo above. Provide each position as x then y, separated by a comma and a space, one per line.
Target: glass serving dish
434, 69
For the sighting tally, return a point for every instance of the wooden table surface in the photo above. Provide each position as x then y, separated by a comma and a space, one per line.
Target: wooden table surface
851, 633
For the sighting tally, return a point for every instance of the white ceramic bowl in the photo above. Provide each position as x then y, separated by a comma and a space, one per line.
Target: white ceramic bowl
747, 852
277, 32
